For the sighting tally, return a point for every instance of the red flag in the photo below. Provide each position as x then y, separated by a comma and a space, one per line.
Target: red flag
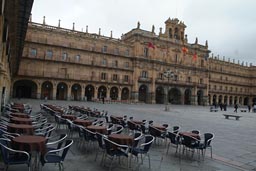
195, 56
150, 45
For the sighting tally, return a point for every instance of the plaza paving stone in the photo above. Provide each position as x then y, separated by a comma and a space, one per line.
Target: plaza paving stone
234, 145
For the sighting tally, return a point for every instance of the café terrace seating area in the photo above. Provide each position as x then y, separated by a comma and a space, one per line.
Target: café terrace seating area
44, 137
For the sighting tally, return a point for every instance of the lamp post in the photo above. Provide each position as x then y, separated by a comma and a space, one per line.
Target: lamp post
168, 74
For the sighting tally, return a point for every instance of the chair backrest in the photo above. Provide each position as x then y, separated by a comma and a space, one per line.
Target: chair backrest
66, 148
4, 153
137, 137
195, 131
88, 135
149, 139
100, 140
60, 141
119, 129
208, 137
174, 138
176, 129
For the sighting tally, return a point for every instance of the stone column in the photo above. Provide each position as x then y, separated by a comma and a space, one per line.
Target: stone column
119, 94
96, 93
82, 92
38, 92
108, 93
135, 96
69, 92
54, 92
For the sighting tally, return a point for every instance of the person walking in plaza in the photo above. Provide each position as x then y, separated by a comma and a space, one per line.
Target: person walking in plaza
249, 108
236, 107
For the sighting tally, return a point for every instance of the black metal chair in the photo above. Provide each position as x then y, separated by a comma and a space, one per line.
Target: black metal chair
114, 150
208, 137
174, 140
13, 157
143, 149
57, 156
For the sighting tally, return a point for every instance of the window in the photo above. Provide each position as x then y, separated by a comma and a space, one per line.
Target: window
146, 52
175, 77
115, 63
202, 63
236, 89
127, 52
126, 64
176, 58
231, 88
77, 58
104, 49
33, 52
215, 87
201, 81
189, 79
104, 62
114, 77
209, 87
226, 88
49, 54
103, 76
170, 33
220, 87
116, 51
64, 56
144, 74
126, 78
161, 76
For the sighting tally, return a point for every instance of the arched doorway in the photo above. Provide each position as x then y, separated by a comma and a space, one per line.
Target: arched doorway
246, 101
225, 99
89, 92
235, 100
102, 92
114, 93
61, 91
209, 99
76, 92
143, 93
230, 100
240, 100
174, 96
220, 99
125, 94
159, 95
25, 89
187, 97
214, 100
200, 95
47, 90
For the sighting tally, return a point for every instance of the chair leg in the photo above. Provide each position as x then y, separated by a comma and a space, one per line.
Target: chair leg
149, 161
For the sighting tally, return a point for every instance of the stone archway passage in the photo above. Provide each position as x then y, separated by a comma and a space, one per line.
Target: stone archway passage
61, 91
47, 90
114, 93
76, 92
159, 95
89, 92
125, 94
174, 96
187, 97
25, 89
143, 93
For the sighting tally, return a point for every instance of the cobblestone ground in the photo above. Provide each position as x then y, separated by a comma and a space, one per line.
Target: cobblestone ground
234, 145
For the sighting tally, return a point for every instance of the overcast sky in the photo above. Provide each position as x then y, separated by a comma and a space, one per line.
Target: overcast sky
228, 25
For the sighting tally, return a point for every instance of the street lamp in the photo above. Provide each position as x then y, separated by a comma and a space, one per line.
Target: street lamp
168, 74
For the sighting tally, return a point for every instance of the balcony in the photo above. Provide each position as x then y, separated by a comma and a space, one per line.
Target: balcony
145, 80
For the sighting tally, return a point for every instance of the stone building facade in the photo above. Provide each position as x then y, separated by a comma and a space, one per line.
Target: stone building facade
14, 16
66, 64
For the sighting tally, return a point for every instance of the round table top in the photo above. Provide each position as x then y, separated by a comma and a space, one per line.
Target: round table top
120, 136
82, 122
71, 117
190, 134
20, 115
29, 139
94, 127
20, 126
21, 119
162, 128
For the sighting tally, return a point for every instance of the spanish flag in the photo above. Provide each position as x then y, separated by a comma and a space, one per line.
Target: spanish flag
184, 50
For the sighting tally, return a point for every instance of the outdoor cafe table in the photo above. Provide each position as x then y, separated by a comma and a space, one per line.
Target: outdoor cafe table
121, 139
20, 115
70, 117
160, 127
99, 129
20, 129
17, 120
82, 122
30, 143
190, 134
